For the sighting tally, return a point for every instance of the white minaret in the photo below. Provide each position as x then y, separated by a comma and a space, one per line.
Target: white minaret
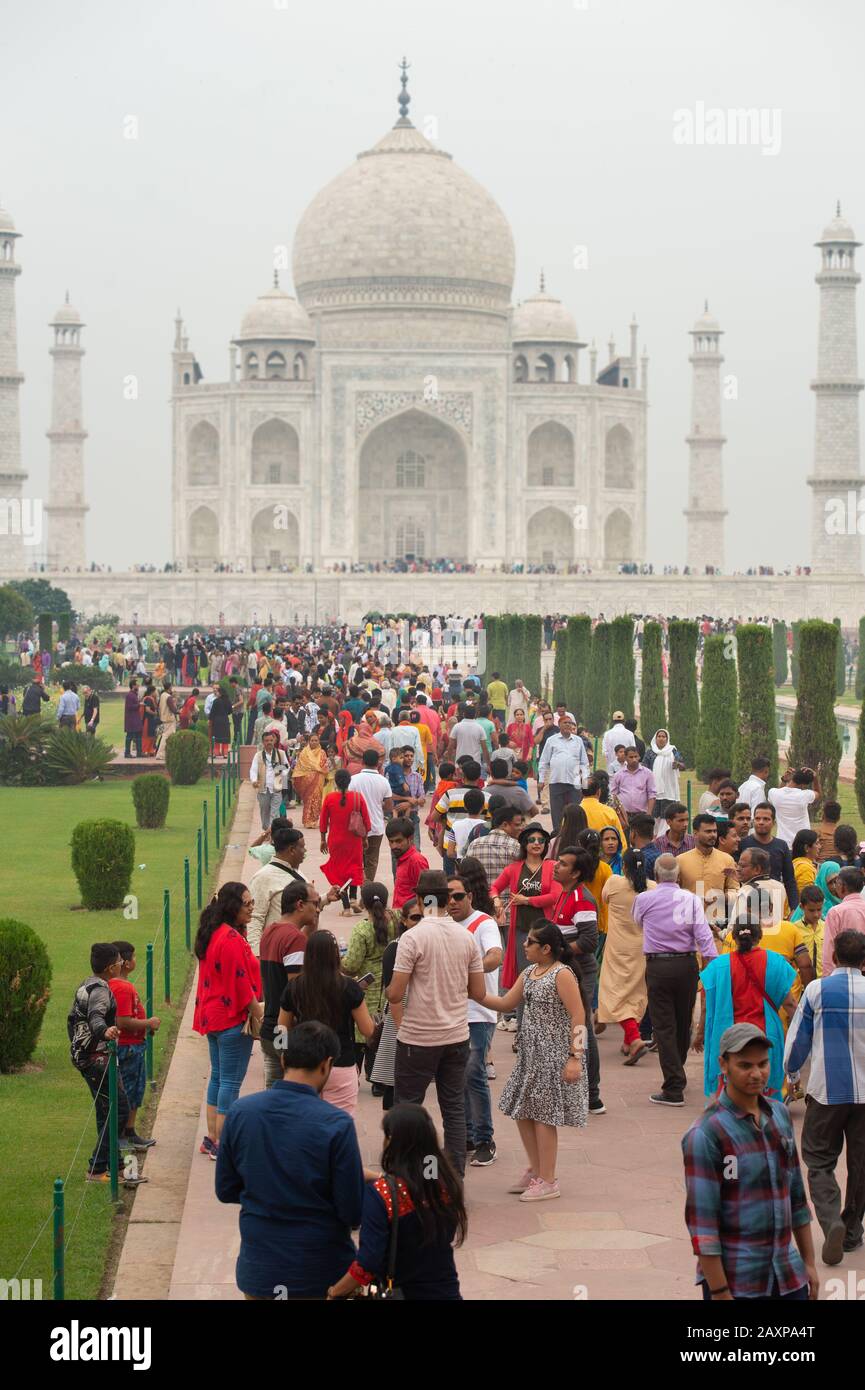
66, 509
706, 512
836, 478
14, 527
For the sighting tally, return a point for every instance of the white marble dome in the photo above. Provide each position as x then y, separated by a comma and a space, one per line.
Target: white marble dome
276, 316
706, 323
543, 319
7, 223
838, 229
404, 220
67, 314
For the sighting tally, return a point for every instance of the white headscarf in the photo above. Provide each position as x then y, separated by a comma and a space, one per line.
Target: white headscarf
665, 774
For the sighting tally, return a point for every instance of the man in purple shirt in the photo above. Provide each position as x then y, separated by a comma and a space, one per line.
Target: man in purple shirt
634, 785
132, 721
674, 928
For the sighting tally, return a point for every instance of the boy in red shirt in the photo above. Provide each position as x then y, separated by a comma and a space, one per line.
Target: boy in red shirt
134, 1026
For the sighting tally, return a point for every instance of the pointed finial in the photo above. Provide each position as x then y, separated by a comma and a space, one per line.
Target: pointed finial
404, 99
275, 278
67, 296
705, 306
838, 208
543, 282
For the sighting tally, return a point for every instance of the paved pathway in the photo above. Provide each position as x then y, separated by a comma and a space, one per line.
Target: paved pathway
617, 1232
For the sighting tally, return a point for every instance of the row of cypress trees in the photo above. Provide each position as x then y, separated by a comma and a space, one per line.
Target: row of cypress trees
514, 642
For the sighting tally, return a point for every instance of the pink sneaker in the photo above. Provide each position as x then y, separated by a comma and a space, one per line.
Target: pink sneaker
540, 1191
524, 1182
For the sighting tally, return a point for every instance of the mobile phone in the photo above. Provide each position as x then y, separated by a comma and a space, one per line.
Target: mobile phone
366, 979
344, 887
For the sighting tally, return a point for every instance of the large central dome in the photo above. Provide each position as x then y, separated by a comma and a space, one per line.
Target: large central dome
404, 227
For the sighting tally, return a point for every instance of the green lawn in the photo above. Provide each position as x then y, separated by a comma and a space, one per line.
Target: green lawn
45, 1111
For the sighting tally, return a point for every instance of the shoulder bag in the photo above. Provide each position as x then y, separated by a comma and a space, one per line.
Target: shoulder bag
356, 824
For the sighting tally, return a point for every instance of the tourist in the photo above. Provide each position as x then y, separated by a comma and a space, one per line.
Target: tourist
134, 1026
574, 821
91, 1024
598, 874
665, 762
740, 815
366, 947
706, 871
594, 804
791, 803
382, 1073
35, 696
308, 779
674, 929
754, 789
847, 915
826, 828
780, 859
827, 1030
322, 994
611, 846
267, 884
525, 889
847, 850
420, 1191
268, 773
747, 985
518, 699
443, 964
547, 1088
634, 785
294, 1167
475, 819
501, 784
468, 739
520, 735
709, 801
68, 706
281, 951
575, 912
92, 709
622, 993
745, 1247
189, 710
167, 712
149, 719
132, 721
500, 847
410, 863
228, 994
480, 1142
361, 740
616, 736
565, 765
220, 724
497, 693
809, 915
376, 792
342, 842
805, 853
754, 873
450, 808
414, 782
728, 797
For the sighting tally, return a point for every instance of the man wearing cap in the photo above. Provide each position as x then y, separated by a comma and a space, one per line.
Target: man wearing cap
617, 736
746, 1211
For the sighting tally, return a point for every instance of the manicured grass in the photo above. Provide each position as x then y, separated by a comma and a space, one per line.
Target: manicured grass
46, 1110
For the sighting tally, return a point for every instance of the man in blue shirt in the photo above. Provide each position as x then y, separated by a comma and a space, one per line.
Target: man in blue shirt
293, 1164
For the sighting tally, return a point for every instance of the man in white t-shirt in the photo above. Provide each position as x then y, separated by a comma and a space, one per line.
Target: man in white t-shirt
482, 1024
754, 790
791, 804
615, 736
376, 792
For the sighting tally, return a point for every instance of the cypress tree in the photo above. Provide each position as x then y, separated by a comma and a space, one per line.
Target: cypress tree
46, 633
513, 654
596, 708
779, 653
491, 663
860, 763
718, 707
794, 658
683, 699
840, 665
814, 740
622, 681
579, 660
757, 734
560, 669
860, 663
653, 712
533, 641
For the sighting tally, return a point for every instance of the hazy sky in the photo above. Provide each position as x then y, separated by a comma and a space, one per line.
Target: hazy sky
563, 109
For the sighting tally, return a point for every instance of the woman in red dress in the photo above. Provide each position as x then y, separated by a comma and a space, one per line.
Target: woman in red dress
521, 736
345, 864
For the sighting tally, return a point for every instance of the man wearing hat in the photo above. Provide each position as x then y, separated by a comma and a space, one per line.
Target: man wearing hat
615, 737
746, 1211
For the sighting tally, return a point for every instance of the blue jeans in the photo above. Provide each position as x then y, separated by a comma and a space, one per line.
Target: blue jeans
230, 1052
479, 1111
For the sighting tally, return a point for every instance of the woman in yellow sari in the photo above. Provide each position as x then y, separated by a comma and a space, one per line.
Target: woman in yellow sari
308, 779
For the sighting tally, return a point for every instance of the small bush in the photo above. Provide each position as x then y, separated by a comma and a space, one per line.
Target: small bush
186, 757
23, 739
100, 681
25, 988
150, 794
13, 674
101, 633
72, 757
103, 854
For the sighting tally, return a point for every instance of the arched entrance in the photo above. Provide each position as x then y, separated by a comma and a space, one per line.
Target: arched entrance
618, 544
275, 539
413, 491
203, 538
550, 538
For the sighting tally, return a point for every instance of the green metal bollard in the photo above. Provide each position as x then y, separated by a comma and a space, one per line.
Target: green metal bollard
59, 1241
187, 905
689, 805
113, 1140
595, 763
148, 1004
198, 883
206, 841
166, 942
216, 818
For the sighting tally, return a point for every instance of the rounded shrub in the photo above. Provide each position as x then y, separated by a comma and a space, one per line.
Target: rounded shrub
25, 988
103, 854
150, 794
186, 757
98, 680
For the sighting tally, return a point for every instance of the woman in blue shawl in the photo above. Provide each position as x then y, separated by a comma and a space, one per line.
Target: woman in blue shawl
611, 848
827, 880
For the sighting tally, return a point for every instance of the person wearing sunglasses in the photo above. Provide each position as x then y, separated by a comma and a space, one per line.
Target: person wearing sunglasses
382, 1074
528, 889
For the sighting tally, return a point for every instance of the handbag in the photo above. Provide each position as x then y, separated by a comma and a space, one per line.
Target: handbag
252, 1026
356, 823
387, 1288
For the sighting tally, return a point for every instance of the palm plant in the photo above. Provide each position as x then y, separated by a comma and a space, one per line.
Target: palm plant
71, 757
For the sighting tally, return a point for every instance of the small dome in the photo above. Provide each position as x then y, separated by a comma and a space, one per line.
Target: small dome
838, 229
276, 315
543, 319
66, 314
706, 323
7, 223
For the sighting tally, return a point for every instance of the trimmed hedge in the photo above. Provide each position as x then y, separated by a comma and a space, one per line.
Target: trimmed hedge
794, 656
46, 633
840, 664
25, 988
186, 756
150, 796
653, 708
814, 739
13, 674
579, 660
779, 653
622, 677
757, 734
718, 707
103, 855
683, 699
596, 708
100, 681
532, 647
860, 662
64, 627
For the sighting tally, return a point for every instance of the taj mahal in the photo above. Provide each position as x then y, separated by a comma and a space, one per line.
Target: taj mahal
400, 407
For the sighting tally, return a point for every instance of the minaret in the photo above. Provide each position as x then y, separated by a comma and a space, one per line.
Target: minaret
13, 555
836, 549
66, 509
705, 513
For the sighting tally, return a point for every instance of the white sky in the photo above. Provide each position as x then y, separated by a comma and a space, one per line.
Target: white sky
246, 108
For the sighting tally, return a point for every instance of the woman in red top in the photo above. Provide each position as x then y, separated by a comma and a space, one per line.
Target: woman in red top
530, 882
521, 736
229, 990
345, 864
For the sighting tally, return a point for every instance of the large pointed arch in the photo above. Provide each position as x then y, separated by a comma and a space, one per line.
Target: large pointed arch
203, 538
618, 537
550, 537
413, 474
275, 455
619, 469
275, 539
202, 455
550, 461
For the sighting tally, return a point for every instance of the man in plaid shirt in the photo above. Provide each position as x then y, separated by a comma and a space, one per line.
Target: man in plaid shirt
500, 847
746, 1201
